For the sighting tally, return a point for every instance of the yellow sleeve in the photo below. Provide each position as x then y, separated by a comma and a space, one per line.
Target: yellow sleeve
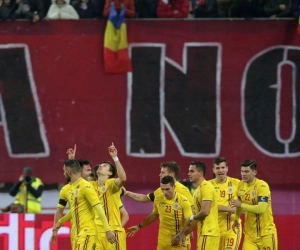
238, 212
187, 210
65, 218
99, 210
256, 209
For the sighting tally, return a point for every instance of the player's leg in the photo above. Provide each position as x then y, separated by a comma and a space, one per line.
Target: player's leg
207, 242
86, 242
249, 243
269, 242
230, 240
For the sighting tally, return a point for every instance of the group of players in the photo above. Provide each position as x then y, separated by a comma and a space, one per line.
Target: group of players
214, 207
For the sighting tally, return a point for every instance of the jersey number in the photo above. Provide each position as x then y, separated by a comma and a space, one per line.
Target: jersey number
230, 242
247, 197
222, 193
168, 209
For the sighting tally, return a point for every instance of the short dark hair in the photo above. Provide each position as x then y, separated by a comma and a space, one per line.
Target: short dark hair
249, 163
73, 164
200, 166
219, 160
84, 162
172, 168
168, 180
112, 169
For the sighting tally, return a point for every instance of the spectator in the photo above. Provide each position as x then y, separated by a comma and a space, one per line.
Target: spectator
278, 8
248, 8
28, 191
87, 9
204, 8
33, 10
128, 4
224, 8
7, 7
61, 9
295, 8
173, 8
146, 8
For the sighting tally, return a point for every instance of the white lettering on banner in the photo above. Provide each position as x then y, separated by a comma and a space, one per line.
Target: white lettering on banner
38, 131
46, 236
263, 90
163, 122
28, 232
11, 231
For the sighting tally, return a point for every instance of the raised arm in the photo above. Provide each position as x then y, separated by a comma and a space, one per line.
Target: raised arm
137, 197
120, 170
71, 152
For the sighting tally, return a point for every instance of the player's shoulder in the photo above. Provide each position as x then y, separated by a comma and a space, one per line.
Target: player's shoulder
212, 181
261, 183
157, 192
182, 198
206, 183
65, 188
179, 187
159, 197
235, 181
85, 184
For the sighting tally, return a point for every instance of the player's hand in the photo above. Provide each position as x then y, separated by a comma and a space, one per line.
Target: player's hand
235, 203
111, 237
178, 240
53, 237
188, 222
131, 231
112, 150
192, 236
235, 225
54, 232
71, 152
231, 209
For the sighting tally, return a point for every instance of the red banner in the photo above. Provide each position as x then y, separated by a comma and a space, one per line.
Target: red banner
198, 89
33, 232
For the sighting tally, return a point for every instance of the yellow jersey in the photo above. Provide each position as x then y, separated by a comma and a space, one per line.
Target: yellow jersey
172, 215
225, 192
82, 197
109, 196
210, 225
257, 225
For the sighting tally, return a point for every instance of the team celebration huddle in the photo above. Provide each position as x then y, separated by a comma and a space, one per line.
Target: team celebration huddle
203, 212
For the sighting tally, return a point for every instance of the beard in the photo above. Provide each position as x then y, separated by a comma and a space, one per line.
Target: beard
68, 178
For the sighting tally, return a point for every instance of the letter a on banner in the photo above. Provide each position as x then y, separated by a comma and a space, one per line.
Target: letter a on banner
116, 58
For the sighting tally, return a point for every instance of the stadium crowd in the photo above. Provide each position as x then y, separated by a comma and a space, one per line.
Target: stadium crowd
36, 10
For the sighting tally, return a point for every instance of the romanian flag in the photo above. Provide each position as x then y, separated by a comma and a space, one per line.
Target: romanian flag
116, 58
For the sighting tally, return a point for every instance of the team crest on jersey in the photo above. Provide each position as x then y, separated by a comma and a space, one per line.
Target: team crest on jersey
242, 192
253, 193
161, 204
176, 205
103, 189
230, 190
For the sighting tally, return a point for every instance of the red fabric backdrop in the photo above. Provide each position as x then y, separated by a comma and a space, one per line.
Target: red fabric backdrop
80, 104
